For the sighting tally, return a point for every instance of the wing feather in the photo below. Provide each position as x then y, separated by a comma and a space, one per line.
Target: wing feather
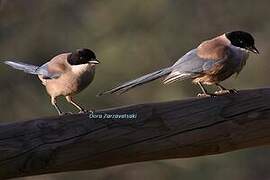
191, 66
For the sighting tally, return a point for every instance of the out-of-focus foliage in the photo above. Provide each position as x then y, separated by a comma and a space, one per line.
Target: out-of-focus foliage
130, 38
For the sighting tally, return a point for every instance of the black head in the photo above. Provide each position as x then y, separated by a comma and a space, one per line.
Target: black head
82, 56
243, 40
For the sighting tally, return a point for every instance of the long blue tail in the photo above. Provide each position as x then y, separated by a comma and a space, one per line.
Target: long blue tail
28, 68
137, 82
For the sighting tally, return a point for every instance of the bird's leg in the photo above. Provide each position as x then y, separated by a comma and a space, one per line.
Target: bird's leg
205, 93
223, 90
53, 101
70, 100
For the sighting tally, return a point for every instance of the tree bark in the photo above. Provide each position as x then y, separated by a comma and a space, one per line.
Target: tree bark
155, 131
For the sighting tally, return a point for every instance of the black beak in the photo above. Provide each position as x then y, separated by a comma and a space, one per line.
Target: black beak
94, 61
253, 49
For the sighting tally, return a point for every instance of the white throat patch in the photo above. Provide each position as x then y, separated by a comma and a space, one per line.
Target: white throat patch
79, 69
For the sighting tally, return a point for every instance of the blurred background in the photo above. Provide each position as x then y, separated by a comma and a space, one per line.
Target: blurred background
130, 38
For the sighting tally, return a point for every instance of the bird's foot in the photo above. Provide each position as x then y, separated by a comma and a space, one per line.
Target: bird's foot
84, 111
206, 95
65, 113
226, 91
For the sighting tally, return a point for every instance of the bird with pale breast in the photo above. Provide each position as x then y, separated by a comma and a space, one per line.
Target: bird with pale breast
66, 74
210, 63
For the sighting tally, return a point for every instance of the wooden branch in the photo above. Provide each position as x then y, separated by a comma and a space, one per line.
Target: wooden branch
177, 129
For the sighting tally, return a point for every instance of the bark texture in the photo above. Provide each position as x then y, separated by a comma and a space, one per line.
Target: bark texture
155, 131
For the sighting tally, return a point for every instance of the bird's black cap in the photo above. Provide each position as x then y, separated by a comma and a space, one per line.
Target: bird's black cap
81, 56
243, 40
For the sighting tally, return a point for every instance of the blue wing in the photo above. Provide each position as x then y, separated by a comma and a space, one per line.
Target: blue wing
190, 65
46, 74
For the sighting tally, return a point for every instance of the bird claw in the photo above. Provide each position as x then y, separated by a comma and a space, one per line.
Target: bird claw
226, 91
206, 95
84, 111
65, 113
233, 90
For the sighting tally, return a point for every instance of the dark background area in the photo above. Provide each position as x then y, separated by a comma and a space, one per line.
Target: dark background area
130, 38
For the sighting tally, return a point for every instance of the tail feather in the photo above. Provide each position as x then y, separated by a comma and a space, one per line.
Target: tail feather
171, 78
137, 82
28, 68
